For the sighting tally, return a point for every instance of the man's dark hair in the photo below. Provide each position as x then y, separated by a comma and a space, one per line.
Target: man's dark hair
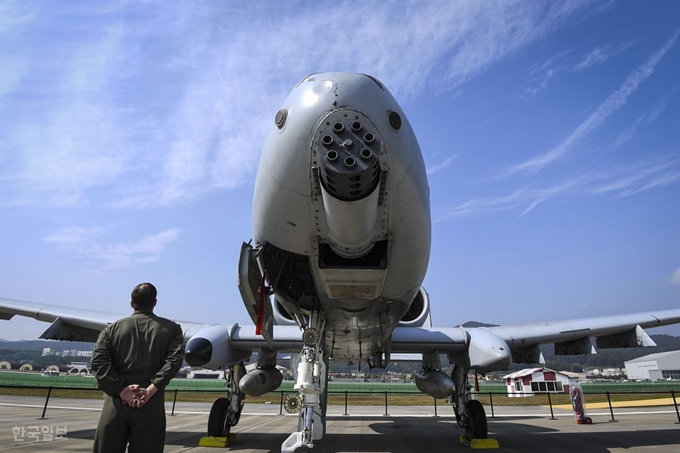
144, 296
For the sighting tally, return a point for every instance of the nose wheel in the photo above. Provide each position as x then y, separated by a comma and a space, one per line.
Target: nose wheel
310, 337
292, 403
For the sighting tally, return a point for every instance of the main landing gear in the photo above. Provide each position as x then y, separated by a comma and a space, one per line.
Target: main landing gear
469, 412
226, 412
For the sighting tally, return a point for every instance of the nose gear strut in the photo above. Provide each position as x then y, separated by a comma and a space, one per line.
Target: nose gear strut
311, 385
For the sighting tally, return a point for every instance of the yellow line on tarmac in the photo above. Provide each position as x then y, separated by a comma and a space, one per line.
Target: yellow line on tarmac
639, 403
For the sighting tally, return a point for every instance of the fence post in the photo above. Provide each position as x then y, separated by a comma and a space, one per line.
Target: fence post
552, 415
435, 406
281, 404
491, 403
346, 402
174, 400
675, 403
611, 411
385, 403
49, 392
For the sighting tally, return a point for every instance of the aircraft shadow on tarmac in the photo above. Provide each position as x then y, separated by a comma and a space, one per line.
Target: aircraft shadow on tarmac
187, 439
82, 434
432, 434
592, 438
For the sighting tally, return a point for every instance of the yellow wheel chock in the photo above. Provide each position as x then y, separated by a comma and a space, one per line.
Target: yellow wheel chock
480, 444
210, 441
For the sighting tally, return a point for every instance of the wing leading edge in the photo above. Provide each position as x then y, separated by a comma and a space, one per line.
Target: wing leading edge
72, 324
576, 329
491, 348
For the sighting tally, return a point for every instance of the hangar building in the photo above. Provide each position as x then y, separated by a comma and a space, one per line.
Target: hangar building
654, 367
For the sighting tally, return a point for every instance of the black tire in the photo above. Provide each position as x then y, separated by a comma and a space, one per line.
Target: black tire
589, 421
217, 421
478, 428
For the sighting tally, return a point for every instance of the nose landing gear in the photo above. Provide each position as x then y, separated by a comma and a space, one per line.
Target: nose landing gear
312, 376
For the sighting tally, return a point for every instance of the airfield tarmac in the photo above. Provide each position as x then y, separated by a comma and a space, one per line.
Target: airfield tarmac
367, 429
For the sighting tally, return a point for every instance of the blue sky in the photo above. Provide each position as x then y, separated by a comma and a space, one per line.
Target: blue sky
131, 133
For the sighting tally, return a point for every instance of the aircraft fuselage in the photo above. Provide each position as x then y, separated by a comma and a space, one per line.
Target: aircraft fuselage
341, 211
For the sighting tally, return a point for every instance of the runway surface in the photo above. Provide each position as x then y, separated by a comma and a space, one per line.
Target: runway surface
406, 429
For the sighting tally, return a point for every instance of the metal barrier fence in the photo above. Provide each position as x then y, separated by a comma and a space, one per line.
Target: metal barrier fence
347, 394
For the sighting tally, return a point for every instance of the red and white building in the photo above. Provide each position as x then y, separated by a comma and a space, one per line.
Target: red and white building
531, 381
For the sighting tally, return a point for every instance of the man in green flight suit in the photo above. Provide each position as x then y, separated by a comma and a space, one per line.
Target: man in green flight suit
133, 361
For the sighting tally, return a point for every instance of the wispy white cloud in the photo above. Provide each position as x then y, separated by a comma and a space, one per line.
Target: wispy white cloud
675, 277
432, 169
523, 200
661, 105
599, 55
73, 238
627, 133
481, 206
13, 69
484, 35
539, 196
623, 181
540, 74
87, 242
156, 104
610, 105
15, 14
617, 182
76, 137
644, 119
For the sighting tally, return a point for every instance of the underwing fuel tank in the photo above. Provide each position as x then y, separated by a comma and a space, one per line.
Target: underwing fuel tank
437, 384
260, 381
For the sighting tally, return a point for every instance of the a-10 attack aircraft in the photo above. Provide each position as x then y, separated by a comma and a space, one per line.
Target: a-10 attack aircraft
341, 244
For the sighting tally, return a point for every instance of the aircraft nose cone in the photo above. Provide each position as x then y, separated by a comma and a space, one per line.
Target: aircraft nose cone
198, 352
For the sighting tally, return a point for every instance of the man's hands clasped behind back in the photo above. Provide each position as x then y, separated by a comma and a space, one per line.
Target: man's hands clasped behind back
136, 396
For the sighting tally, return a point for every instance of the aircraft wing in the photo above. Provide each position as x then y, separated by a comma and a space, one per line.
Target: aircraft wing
73, 324
486, 348
605, 329
494, 348
482, 348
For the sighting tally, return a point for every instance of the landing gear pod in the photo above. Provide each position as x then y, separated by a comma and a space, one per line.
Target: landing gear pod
435, 383
260, 381
212, 348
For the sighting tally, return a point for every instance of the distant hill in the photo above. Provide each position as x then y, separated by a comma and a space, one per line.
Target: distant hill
477, 324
